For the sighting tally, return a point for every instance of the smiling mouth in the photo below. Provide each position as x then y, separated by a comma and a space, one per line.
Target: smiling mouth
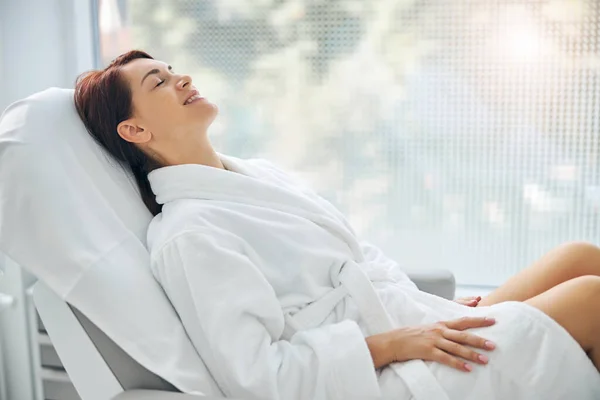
192, 99
193, 96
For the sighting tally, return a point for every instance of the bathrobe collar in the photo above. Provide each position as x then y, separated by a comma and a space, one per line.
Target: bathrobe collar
250, 182
243, 181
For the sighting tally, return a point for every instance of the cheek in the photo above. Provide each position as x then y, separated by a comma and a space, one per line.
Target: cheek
163, 112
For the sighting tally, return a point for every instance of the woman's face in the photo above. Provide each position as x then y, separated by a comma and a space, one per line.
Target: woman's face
167, 108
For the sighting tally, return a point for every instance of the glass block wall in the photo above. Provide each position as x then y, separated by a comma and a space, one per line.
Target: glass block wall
459, 134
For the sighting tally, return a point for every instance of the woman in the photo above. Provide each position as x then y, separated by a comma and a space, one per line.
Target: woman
282, 301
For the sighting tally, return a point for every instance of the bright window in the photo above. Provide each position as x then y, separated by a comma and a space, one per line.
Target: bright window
455, 134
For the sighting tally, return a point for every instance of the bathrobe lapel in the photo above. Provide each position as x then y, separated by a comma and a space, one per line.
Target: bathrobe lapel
249, 183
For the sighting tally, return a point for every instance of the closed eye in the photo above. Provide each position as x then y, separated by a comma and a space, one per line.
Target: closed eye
163, 80
156, 71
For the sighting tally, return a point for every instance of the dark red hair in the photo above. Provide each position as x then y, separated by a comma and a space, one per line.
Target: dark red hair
103, 100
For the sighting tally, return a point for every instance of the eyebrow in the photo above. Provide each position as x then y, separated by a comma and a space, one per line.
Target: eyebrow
153, 71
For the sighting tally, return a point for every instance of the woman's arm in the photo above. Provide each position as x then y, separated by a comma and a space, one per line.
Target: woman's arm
235, 321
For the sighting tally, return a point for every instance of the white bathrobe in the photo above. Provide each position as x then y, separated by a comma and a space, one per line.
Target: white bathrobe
277, 295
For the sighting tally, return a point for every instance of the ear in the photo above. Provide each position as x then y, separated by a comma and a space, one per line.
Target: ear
131, 132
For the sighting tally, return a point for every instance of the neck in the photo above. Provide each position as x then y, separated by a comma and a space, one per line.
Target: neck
199, 152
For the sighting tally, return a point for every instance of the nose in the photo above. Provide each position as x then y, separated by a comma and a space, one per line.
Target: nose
184, 81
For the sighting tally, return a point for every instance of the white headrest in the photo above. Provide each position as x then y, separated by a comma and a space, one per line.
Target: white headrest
72, 216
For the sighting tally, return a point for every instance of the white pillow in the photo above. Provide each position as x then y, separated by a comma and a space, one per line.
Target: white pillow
72, 216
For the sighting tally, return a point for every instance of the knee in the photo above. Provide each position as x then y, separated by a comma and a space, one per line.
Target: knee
581, 249
582, 258
587, 286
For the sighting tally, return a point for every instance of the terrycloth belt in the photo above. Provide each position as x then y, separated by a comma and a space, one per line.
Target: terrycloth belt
355, 283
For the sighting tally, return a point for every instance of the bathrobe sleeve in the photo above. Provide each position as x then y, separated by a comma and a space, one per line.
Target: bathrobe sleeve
235, 321
375, 256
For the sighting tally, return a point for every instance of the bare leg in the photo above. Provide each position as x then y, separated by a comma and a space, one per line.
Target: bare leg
565, 262
575, 305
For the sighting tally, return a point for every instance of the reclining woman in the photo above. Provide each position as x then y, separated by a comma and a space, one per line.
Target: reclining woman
282, 300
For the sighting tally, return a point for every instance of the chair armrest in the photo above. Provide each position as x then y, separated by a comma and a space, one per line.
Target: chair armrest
439, 282
160, 395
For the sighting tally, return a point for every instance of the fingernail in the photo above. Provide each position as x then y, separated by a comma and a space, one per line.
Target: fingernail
468, 367
483, 358
489, 319
489, 345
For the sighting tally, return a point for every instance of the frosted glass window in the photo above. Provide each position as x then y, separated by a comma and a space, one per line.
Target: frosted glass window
454, 133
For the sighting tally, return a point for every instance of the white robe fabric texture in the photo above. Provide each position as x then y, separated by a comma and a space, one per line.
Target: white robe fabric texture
278, 294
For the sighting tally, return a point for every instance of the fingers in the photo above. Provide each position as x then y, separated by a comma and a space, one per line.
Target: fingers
467, 302
442, 357
459, 350
469, 298
469, 322
468, 339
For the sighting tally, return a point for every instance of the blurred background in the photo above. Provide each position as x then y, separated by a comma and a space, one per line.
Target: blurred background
454, 133
457, 134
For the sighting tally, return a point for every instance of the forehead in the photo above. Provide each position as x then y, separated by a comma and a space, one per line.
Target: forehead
136, 69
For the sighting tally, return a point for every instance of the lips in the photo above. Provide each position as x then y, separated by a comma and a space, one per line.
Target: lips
191, 97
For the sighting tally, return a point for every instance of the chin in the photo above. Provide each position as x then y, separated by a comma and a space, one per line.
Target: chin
214, 112
207, 117
215, 109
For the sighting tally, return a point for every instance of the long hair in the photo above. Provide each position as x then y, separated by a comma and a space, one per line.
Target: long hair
103, 100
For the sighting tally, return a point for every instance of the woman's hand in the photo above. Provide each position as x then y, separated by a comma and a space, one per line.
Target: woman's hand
443, 342
470, 301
